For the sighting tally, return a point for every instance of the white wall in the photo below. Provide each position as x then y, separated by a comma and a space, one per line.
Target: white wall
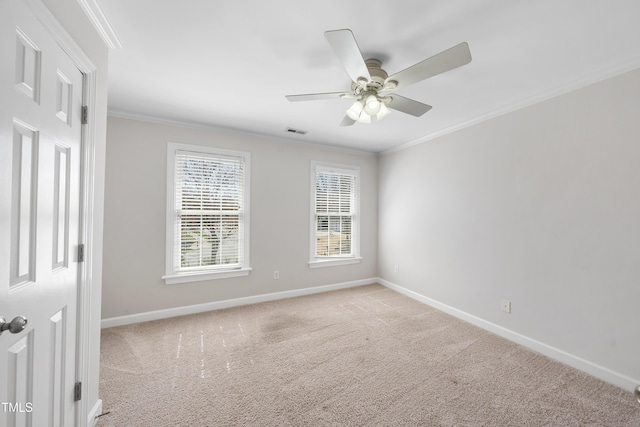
540, 207
134, 244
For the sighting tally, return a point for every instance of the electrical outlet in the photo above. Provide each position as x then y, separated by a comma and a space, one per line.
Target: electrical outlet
276, 274
506, 306
396, 269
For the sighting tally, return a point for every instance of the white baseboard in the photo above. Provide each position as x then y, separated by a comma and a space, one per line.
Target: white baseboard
93, 414
579, 363
217, 305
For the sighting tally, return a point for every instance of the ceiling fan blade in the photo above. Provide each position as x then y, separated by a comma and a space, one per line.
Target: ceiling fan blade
406, 105
316, 96
347, 121
345, 46
444, 61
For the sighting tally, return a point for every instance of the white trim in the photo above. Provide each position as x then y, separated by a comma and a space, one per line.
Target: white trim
579, 363
61, 36
95, 412
87, 291
219, 305
172, 276
335, 168
523, 103
285, 139
200, 276
332, 262
100, 22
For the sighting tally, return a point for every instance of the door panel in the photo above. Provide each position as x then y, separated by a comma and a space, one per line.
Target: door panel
60, 253
40, 157
27, 77
20, 392
23, 201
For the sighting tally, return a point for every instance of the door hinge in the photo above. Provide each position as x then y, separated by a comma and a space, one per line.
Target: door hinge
77, 392
81, 252
85, 115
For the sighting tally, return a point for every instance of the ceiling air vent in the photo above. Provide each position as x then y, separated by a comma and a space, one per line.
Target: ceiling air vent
292, 130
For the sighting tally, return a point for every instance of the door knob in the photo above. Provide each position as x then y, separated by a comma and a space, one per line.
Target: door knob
17, 325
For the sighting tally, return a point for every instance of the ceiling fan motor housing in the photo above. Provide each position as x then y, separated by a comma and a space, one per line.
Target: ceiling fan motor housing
378, 77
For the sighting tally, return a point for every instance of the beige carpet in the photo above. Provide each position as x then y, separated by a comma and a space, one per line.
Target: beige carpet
366, 356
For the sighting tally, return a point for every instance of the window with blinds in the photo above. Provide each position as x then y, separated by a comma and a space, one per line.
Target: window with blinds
335, 212
209, 212
209, 209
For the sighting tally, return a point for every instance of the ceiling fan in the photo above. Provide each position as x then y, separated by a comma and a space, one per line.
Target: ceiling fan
369, 80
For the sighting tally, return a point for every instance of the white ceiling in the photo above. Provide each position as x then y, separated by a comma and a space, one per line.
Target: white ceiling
230, 63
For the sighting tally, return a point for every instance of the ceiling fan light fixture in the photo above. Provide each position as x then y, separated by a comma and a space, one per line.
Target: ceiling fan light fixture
372, 105
384, 112
367, 107
364, 118
355, 111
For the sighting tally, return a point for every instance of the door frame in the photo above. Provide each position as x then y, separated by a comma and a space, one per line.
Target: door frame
85, 309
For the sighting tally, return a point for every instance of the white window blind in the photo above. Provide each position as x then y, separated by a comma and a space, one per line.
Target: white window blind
209, 211
335, 211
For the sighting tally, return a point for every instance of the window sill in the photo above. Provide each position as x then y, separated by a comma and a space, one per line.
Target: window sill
334, 262
199, 276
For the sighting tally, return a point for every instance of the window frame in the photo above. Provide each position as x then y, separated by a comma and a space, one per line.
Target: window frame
329, 260
174, 273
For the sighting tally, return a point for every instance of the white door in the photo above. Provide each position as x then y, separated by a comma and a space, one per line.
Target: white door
40, 157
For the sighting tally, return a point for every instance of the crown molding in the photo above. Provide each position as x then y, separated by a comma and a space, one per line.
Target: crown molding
121, 114
601, 75
100, 23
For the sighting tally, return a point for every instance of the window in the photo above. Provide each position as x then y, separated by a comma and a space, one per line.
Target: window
334, 215
207, 213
